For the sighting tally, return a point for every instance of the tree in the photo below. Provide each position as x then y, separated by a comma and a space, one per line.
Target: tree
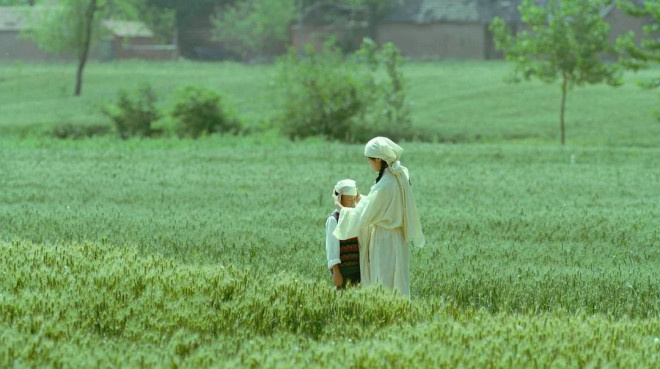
159, 20
344, 98
647, 51
638, 56
74, 26
565, 40
375, 10
186, 16
251, 26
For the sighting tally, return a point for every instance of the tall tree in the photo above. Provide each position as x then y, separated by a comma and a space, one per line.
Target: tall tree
74, 26
564, 40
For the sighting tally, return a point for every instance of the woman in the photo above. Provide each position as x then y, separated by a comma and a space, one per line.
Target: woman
386, 221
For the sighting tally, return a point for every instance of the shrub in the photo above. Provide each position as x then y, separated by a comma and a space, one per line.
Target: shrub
75, 131
389, 112
326, 94
199, 111
133, 114
322, 97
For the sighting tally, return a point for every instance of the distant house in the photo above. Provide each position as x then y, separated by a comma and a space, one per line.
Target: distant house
12, 45
133, 40
451, 29
438, 29
124, 39
445, 29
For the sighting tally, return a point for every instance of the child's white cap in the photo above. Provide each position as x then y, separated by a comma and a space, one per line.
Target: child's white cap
346, 187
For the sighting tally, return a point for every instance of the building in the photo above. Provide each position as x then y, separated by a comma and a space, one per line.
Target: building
442, 29
133, 40
451, 29
122, 40
13, 46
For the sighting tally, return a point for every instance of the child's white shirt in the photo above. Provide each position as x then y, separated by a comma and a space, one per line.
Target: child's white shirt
331, 242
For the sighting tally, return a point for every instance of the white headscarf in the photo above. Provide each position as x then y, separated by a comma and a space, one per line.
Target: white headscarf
385, 149
346, 187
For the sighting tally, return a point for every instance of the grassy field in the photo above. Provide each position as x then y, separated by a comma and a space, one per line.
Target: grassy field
209, 253
456, 102
166, 253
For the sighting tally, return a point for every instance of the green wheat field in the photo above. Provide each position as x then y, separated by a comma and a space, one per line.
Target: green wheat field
209, 253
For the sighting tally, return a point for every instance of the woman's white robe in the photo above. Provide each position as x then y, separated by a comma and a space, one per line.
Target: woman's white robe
378, 221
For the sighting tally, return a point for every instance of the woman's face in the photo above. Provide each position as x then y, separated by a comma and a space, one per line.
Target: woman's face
375, 163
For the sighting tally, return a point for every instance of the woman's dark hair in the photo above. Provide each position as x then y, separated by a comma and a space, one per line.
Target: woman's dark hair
383, 165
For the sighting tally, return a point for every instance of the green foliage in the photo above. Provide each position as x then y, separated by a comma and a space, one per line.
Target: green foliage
187, 15
642, 55
572, 241
133, 114
322, 95
134, 301
450, 101
200, 111
371, 11
390, 114
149, 311
160, 20
254, 27
566, 40
326, 94
639, 56
67, 26
78, 131
73, 26
64, 28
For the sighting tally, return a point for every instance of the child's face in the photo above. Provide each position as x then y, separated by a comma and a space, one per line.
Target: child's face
348, 201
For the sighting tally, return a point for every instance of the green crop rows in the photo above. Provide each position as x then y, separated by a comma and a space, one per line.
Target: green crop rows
209, 254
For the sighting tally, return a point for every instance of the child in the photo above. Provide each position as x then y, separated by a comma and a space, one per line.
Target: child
343, 255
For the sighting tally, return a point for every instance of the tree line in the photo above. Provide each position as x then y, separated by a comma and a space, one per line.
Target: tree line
247, 26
